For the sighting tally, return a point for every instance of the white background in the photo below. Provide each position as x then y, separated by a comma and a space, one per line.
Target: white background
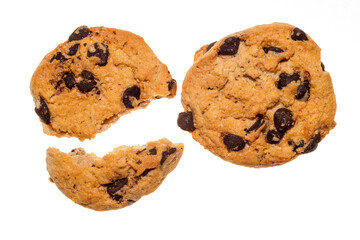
315, 196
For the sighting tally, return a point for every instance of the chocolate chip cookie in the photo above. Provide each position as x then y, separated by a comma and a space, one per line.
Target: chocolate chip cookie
116, 180
259, 97
97, 75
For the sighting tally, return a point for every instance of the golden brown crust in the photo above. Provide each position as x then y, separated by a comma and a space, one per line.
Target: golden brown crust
86, 178
117, 61
227, 94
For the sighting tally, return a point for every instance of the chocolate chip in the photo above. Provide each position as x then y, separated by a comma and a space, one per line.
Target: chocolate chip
138, 152
69, 80
303, 91
43, 111
166, 154
230, 46
99, 51
129, 94
115, 186
146, 172
283, 120
88, 83
210, 46
286, 79
153, 151
79, 33
259, 122
322, 66
274, 136
297, 145
298, 35
73, 49
233, 142
313, 143
273, 49
58, 56
185, 121
171, 84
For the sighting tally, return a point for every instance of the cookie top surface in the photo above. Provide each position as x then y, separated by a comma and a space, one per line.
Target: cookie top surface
97, 75
116, 180
259, 97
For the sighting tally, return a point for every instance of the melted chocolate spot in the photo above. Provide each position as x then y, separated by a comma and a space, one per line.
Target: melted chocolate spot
272, 49
313, 143
286, 79
79, 33
233, 142
73, 49
283, 120
129, 94
101, 52
210, 46
298, 35
230, 46
115, 186
58, 56
43, 111
259, 122
166, 154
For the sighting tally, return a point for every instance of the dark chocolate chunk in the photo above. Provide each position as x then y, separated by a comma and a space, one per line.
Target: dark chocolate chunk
313, 143
286, 79
273, 49
146, 172
297, 145
73, 49
129, 94
79, 33
230, 46
322, 66
99, 51
115, 186
233, 142
274, 136
153, 151
166, 154
303, 91
298, 35
171, 84
58, 56
259, 122
69, 80
283, 120
210, 46
185, 121
88, 83
43, 111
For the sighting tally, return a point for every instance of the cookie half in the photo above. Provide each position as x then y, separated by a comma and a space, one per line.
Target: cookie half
116, 180
97, 75
259, 97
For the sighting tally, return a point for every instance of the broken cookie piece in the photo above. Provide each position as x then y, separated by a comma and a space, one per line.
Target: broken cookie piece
93, 78
116, 180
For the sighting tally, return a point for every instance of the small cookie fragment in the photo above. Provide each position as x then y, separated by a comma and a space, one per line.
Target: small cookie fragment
259, 97
116, 180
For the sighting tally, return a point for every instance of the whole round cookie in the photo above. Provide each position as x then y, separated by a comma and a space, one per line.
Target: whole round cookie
97, 75
116, 180
259, 97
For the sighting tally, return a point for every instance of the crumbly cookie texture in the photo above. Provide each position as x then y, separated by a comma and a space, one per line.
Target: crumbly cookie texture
259, 97
97, 75
116, 180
